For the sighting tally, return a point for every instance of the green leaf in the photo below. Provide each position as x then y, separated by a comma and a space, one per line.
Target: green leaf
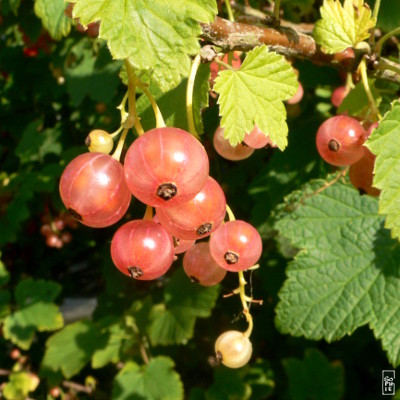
155, 381
4, 274
70, 349
173, 103
254, 94
51, 12
389, 15
36, 312
19, 385
343, 26
228, 385
12, 5
110, 352
173, 321
20, 326
387, 163
30, 291
158, 37
356, 103
314, 377
5, 298
342, 278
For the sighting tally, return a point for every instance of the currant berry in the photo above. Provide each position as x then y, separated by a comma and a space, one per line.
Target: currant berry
338, 95
297, 96
340, 139
233, 349
256, 139
225, 150
182, 245
361, 174
166, 167
236, 246
93, 189
196, 218
143, 250
200, 267
99, 141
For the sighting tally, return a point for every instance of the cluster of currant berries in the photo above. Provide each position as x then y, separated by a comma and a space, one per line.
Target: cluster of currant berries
53, 229
340, 141
168, 169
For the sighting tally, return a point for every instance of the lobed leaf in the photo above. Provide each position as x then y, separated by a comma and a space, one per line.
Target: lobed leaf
343, 26
158, 37
254, 94
51, 12
342, 277
387, 167
138, 382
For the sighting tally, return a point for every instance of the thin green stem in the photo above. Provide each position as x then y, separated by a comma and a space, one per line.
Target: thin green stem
229, 10
277, 6
375, 12
222, 64
189, 95
371, 100
120, 145
230, 213
378, 47
133, 119
160, 123
243, 299
148, 215
117, 132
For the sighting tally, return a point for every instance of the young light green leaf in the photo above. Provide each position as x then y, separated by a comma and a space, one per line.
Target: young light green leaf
173, 321
387, 165
254, 94
138, 382
343, 26
154, 36
314, 377
51, 12
342, 277
19, 385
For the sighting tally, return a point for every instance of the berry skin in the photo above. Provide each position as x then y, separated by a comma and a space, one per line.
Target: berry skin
143, 250
236, 246
233, 349
256, 139
200, 267
225, 150
340, 139
99, 141
182, 245
93, 189
196, 218
361, 174
297, 96
166, 167
338, 95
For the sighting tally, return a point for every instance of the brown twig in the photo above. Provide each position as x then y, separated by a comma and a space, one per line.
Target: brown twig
291, 43
77, 387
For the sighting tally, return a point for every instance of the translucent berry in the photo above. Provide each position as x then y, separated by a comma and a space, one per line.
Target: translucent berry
93, 189
256, 139
236, 245
182, 245
200, 267
166, 167
226, 150
99, 141
196, 218
143, 250
361, 174
297, 96
340, 139
338, 95
233, 349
